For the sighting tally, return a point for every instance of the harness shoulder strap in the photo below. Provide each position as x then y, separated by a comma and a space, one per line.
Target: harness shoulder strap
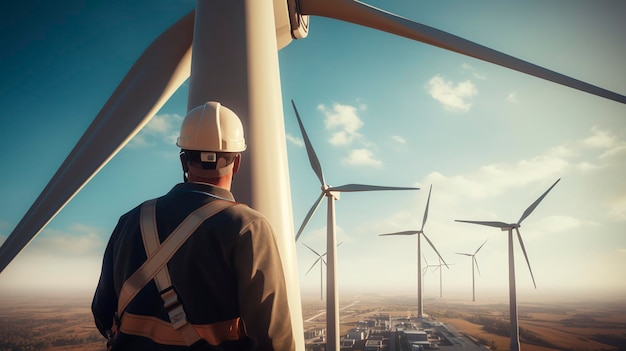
161, 254
151, 241
173, 306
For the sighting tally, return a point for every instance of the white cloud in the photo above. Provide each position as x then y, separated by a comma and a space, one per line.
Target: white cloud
398, 139
344, 121
601, 139
512, 97
67, 260
78, 240
555, 224
586, 166
362, 157
496, 179
563, 151
473, 71
618, 151
161, 128
340, 138
295, 140
453, 97
600, 149
617, 209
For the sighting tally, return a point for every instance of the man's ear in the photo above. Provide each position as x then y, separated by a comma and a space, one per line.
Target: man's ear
236, 163
184, 163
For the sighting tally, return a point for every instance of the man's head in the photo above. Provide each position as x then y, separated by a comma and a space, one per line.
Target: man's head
211, 140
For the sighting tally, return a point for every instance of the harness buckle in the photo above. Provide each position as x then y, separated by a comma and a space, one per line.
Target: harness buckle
174, 308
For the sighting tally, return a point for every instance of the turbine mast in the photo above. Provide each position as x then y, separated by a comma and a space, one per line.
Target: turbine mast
514, 346
235, 61
420, 305
332, 303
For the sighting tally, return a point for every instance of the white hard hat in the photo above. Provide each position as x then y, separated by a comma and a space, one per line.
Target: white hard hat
211, 127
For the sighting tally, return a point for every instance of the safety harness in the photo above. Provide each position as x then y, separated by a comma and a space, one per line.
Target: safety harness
178, 331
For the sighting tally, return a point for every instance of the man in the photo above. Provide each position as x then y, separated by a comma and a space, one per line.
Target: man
227, 277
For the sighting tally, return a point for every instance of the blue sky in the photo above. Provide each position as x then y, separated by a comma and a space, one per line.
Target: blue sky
379, 110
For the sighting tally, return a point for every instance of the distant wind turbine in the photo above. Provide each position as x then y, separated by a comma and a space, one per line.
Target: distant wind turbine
515, 346
474, 263
425, 269
420, 308
322, 262
332, 194
438, 267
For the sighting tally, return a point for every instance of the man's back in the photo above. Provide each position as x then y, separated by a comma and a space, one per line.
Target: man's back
228, 268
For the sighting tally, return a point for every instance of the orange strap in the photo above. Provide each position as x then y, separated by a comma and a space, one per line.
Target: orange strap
162, 332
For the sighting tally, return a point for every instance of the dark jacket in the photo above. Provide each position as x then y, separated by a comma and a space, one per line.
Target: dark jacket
230, 267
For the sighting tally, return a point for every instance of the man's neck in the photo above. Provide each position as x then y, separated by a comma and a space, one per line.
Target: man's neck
222, 182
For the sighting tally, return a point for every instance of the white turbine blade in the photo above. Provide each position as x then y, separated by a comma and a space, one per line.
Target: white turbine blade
408, 232
521, 242
372, 17
313, 265
309, 215
464, 254
315, 252
426, 210
433, 246
363, 187
476, 261
154, 77
480, 247
487, 223
313, 160
532, 207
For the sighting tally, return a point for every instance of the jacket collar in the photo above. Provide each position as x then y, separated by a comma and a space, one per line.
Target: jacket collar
204, 188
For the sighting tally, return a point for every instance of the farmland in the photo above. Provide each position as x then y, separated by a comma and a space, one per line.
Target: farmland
65, 323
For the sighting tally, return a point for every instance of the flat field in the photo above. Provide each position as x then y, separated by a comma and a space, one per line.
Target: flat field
543, 326
64, 323
52, 324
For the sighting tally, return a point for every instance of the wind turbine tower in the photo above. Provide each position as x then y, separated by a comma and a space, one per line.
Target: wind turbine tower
515, 346
474, 263
331, 193
420, 307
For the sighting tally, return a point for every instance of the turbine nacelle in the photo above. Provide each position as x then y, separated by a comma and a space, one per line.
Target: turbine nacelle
334, 194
